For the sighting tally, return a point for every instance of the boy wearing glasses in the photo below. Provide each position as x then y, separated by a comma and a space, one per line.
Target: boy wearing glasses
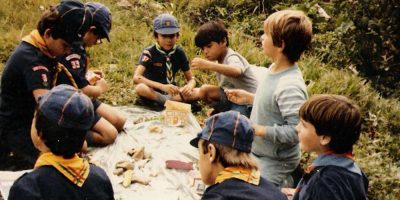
108, 121
155, 75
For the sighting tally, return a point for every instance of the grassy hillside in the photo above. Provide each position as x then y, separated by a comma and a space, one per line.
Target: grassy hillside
377, 152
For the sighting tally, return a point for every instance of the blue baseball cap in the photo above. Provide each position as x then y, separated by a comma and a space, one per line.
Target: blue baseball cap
165, 24
101, 18
227, 128
75, 21
68, 107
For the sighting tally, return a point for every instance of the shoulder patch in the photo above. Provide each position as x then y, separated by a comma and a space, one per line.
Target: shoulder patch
73, 56
145, 58
40, 67
147, 52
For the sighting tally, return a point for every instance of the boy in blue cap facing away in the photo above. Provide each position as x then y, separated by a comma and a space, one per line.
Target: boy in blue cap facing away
59, 129
226, 163
108, 121
29, 73
155, 75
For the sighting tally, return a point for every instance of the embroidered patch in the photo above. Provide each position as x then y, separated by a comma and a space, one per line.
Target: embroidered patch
44, 78
147, 52
145, 58
75, 64
73, 56
157, 64
40, 67
167, 23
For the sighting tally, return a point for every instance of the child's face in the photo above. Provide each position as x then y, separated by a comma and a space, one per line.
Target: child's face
205, 165
166, 42
58, 47
214, 50
90, 39
309, 140
268, 46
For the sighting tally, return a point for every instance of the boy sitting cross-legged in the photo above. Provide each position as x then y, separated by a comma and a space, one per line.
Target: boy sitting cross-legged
226, 163
158, 64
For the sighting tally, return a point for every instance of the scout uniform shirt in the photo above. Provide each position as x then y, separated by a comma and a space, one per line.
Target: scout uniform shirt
26, 70
161, 66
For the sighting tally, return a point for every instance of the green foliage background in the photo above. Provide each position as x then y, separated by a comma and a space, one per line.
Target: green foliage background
337, 62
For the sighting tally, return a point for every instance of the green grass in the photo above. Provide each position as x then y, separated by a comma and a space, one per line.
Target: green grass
377, 151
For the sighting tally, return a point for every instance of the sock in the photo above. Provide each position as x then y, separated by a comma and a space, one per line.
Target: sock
162, 98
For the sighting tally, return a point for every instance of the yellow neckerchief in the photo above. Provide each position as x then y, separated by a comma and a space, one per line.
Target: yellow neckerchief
35, 39
246, 175
75, 169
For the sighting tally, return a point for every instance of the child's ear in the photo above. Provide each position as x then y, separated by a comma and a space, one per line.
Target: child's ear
92, 29
47, 33
325, 139
282, 47
212, 153
224, 42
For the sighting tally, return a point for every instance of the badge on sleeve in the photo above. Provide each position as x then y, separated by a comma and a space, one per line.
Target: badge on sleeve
44, 79
145, 58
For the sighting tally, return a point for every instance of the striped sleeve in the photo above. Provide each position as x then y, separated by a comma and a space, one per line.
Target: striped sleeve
289, 98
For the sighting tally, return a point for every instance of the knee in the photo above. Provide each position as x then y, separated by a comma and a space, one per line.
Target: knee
204, 89
106, 135
109, 135
141, 89
120, 122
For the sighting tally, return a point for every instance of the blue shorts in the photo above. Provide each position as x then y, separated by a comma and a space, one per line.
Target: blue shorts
19, 142
224, 105
96, 104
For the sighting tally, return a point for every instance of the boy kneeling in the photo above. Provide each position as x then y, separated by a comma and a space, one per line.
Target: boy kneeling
59, 129
225, 162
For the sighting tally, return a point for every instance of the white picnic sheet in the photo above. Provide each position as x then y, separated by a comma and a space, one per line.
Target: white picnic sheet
171, 144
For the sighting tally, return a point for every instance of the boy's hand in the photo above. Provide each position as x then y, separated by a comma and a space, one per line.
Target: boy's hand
238, 96
199, 63
289, 192
92, 77
186, 90
170, 89
99, 73
259, 130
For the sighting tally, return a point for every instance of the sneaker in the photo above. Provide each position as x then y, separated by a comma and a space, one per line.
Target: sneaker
151, 105
196, 107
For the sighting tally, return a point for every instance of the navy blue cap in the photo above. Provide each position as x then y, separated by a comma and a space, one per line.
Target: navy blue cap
68, 107
101, 18
227, 128
75, 20
165, 24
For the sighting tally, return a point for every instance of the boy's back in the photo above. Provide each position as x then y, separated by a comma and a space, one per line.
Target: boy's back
226, 163
63, 118
238, 189
96, 186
